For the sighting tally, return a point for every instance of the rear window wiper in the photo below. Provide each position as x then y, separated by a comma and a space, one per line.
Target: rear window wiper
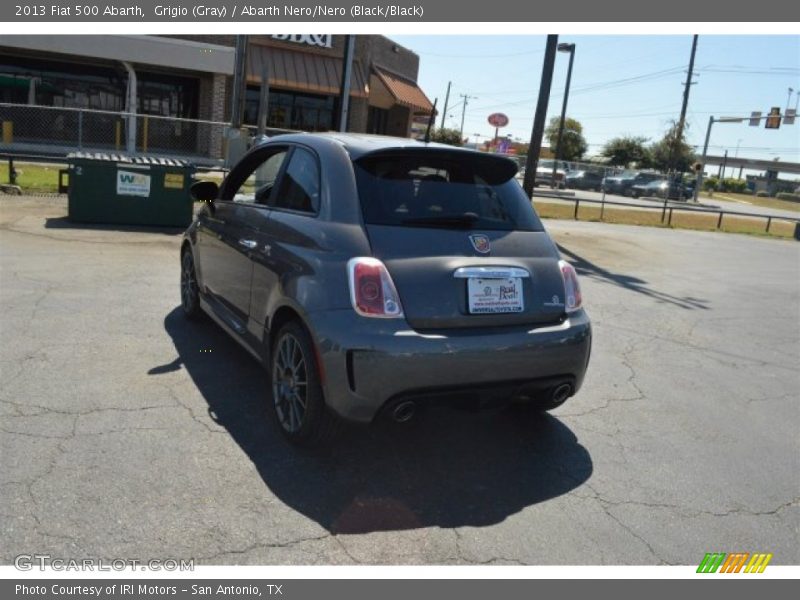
463, 220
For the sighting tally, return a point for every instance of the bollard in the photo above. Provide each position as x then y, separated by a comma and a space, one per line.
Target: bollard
8, 132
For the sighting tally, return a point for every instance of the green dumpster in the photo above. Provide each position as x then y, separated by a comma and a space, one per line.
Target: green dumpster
125, 190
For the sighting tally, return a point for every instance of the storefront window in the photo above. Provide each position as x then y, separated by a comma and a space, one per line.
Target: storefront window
52, 83
291, 110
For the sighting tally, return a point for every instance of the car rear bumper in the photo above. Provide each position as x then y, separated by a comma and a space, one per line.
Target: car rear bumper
369, 364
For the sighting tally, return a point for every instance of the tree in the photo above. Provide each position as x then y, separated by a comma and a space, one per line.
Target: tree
447, 136
625, 150
573, 144
672, 152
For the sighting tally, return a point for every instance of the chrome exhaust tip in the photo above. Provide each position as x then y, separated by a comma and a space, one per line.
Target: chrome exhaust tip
560, 393
404, 411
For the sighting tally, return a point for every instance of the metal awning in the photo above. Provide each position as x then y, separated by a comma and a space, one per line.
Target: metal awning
303, 71
405, 91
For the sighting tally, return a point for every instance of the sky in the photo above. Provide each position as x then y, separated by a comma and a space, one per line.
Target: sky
621, 85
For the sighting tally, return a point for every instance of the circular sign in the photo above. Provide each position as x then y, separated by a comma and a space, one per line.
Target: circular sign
498, 120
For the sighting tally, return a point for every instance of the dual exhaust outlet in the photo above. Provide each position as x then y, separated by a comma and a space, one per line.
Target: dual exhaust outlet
404, 411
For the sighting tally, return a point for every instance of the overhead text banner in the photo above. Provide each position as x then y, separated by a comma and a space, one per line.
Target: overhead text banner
304, 11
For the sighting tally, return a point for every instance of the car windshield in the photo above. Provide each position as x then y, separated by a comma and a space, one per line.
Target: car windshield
445, 190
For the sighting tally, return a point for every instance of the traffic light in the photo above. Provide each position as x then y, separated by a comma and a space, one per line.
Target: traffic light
773, 120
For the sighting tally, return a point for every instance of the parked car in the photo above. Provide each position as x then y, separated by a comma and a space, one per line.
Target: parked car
544, 174
584, 180
374, 275
622, 184
659, 188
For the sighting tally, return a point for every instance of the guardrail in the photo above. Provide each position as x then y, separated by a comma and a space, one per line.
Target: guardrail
667, 211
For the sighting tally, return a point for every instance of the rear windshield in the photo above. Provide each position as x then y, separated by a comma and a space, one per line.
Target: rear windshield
446, 191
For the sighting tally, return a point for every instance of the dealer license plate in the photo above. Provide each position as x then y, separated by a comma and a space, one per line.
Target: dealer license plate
493, 296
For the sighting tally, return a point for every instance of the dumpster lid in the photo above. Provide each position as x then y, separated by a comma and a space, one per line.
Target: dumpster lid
162, 161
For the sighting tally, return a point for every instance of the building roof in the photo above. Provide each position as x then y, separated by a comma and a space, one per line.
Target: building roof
406, 92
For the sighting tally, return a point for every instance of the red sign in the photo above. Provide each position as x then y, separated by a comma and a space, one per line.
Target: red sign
498, 120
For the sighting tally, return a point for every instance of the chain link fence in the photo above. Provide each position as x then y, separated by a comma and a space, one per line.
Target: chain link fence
57, 131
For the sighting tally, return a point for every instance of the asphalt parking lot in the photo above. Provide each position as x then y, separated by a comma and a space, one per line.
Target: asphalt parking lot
127, 432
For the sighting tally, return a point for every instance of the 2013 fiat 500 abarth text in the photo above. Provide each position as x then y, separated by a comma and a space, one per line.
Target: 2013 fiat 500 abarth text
375, 275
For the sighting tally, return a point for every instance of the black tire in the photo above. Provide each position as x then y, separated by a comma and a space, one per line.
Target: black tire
190, 291
298, 403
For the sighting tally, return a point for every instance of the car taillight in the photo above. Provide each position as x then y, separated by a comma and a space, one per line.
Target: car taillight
372, 291
572, 289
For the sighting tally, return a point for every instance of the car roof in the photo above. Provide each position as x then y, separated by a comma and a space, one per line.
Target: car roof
361, 144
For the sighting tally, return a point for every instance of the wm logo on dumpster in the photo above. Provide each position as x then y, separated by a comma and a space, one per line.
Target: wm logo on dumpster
132, 184
737, 562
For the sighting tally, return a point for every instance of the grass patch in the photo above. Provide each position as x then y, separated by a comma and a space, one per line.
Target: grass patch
33, 178
680, 219
754, 201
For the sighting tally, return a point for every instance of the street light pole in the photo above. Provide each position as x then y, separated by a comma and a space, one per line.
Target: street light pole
571, 49
446, 101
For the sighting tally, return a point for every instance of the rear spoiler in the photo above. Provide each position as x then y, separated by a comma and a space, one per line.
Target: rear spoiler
494, 168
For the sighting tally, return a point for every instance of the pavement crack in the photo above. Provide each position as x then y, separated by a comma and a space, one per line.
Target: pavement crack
262, 545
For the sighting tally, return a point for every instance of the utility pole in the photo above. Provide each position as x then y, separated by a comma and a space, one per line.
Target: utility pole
464, 110
682, 120
446, 100
537, 132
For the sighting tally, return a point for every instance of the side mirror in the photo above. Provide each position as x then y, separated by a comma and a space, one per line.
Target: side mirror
204, 191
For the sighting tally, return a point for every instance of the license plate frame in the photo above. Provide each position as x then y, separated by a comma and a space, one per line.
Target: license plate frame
495, 296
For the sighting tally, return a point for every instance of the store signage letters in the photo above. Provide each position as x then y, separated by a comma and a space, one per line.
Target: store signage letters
322, 40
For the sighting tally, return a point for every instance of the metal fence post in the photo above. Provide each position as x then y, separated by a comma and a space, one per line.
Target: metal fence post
80, 130
577, 204
769, 222
719, 221
669, 219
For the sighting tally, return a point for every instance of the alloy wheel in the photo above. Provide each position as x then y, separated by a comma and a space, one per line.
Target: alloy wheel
188, 283
289, 383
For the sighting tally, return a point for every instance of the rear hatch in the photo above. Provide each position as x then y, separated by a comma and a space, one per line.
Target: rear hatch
459, 238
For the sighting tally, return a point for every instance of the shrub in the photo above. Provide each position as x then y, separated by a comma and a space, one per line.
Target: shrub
762, 194
733, 185
788, 196
710, 184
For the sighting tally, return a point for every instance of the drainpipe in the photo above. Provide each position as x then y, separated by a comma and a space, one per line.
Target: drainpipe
131, 102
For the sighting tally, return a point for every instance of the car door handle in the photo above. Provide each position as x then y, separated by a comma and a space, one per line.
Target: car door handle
249, 244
